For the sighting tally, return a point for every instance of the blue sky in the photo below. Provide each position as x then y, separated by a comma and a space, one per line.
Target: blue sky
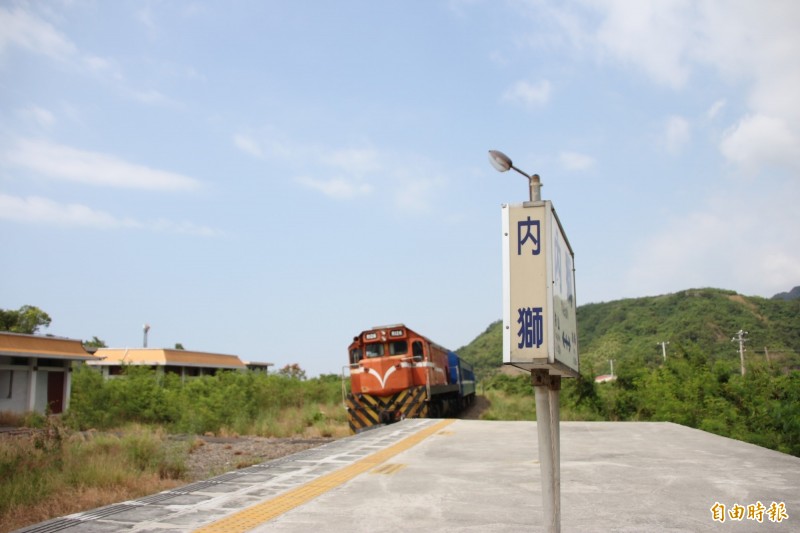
269, 178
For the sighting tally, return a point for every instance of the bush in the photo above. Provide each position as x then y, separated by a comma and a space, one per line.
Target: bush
228, 402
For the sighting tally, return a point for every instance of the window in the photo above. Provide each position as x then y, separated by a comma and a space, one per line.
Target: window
416, 349
374, 350
398, 348
355, 355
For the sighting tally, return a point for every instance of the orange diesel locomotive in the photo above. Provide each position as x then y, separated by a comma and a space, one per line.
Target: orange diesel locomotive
396, 373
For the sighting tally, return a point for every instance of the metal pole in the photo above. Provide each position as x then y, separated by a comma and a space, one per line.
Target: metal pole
555, 430
548, 449
535, 185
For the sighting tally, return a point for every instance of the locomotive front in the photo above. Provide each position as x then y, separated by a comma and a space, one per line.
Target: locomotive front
394, 373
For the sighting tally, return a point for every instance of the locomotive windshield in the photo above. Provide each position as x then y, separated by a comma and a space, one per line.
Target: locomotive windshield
378, 349
374, 349
398, 348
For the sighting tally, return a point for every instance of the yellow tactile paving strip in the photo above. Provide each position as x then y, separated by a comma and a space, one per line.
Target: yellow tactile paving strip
256, 515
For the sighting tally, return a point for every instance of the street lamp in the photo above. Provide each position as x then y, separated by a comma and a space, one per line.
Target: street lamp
546, 386
502, 163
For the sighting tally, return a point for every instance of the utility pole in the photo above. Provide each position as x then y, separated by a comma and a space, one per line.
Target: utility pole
146, 329
740, 338
664, 349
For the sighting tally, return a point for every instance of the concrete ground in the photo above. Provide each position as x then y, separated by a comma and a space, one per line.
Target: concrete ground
468, 475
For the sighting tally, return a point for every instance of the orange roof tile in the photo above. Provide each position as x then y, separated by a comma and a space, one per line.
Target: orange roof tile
17, 344
165, 356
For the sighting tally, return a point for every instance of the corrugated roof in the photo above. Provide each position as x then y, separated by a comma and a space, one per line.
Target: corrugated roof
19, 345
165, 356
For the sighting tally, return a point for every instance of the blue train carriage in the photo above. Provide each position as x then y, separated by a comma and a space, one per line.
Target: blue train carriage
462, 373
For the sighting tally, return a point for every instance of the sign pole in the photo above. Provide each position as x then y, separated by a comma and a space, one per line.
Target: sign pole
540, 332
546, 388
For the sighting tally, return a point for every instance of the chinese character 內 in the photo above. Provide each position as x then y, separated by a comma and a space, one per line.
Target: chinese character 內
531, 227
530, 327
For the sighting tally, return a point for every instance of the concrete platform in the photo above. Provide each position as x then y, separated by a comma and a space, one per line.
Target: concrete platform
465, 475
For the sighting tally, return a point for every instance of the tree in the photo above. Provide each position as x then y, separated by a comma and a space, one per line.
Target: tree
179, 346
293, 371
27, 319
95, 343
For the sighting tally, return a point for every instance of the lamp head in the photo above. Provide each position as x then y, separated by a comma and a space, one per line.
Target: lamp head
500, 161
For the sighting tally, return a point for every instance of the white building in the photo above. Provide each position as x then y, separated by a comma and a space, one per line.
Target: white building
36, 372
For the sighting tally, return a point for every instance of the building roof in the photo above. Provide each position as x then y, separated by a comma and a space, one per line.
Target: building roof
605, 378
20, 345
166, 357
257, 363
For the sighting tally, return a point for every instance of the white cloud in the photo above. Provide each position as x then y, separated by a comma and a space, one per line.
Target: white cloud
415, 195
358, 161
727, 243
42, 117
269, 144
677, 133
576, 161
43, 211
715, 109
758, 139
36, 209
103, 66
654, 35
410, 183
338, 188
750, 45
150, 97
23, 30
248, 145
528, 94
66, 163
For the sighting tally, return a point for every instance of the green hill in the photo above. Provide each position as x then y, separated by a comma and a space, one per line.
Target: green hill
700, 383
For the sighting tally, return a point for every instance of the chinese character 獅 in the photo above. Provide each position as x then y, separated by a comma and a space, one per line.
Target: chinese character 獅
530, 327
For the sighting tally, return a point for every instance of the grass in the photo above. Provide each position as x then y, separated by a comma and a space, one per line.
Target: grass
53, 471
309, 421
505, 406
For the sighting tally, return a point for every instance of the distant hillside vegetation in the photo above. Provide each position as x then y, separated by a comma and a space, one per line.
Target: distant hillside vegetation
695, 320
700, 383
793, 294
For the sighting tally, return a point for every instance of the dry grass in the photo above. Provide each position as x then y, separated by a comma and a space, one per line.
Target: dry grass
53, 472
81, 499
310, 421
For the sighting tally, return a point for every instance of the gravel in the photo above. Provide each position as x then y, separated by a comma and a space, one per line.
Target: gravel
212, 456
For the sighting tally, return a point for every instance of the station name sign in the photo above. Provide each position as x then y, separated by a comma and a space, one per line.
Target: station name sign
539, 309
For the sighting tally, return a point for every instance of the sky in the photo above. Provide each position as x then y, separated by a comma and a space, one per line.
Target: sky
270, 178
